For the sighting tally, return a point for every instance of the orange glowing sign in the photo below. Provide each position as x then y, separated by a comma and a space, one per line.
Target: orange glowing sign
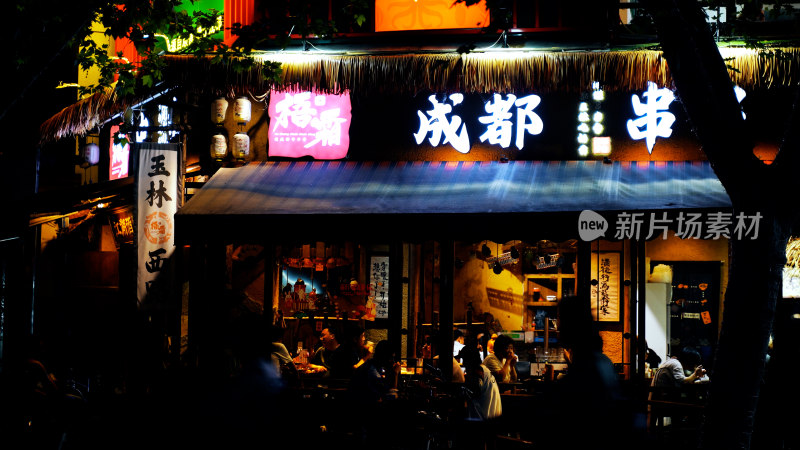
402, 15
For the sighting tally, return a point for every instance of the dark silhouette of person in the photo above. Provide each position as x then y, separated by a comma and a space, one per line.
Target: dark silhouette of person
587, 397
371, 392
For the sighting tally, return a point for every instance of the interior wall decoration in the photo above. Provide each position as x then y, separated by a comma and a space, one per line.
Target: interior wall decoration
605, 294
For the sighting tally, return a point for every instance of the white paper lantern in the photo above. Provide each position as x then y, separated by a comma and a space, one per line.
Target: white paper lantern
219, 147
218, 109
241, 145
242, 109
91, 153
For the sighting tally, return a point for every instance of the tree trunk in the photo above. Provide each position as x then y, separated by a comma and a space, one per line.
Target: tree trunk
755, 265
754, 285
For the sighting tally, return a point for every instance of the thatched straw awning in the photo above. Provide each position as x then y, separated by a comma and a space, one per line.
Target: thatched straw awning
521, 71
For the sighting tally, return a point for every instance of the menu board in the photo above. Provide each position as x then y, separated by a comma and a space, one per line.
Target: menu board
606, 292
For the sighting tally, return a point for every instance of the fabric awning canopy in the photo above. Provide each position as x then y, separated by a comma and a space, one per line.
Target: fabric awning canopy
292, 198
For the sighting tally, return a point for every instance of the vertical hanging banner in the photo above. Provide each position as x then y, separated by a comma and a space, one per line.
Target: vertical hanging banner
379, 285
157, 202
605, 295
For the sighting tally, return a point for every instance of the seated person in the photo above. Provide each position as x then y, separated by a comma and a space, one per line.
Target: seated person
485, 401
376, 379
672, 372
490, 344
484, 404
458, 342
332, 360
370, 393
363, 348
503, 362
458, 373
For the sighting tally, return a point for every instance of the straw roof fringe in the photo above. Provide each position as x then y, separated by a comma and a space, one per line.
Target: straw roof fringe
409, 74
83, 116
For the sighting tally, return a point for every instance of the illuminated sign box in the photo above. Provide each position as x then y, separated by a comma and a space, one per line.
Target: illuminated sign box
309, 124
399, 15
118, 157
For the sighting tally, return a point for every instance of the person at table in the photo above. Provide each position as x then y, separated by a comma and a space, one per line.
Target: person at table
280, 357
458, 373
361, 346
503, 362
484, 404
490, 345
672, 371
589, 392
332, 360
371, 390
458, 342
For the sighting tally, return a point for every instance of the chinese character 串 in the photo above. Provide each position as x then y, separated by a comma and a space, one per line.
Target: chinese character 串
499, 126
655, 118
437, 124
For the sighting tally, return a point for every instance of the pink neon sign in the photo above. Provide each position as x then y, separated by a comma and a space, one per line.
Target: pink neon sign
309, 124
118, 157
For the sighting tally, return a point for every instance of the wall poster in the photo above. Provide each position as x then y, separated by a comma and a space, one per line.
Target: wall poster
606, 293
379, 286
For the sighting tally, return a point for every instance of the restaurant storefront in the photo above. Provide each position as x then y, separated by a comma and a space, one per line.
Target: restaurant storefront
432, 179
422, 174
420, 195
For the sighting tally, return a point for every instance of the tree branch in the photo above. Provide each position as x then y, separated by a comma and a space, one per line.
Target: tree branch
699, 70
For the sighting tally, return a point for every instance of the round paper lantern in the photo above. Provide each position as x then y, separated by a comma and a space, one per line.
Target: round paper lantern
218, 109
241, 145
219, 147
242, 110
91, 153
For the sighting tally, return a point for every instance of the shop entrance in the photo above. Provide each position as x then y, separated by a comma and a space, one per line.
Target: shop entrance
694, 308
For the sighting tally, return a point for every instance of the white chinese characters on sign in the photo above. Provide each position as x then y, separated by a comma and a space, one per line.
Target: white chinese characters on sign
654, 120
441, 126
435, 121
499, 128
